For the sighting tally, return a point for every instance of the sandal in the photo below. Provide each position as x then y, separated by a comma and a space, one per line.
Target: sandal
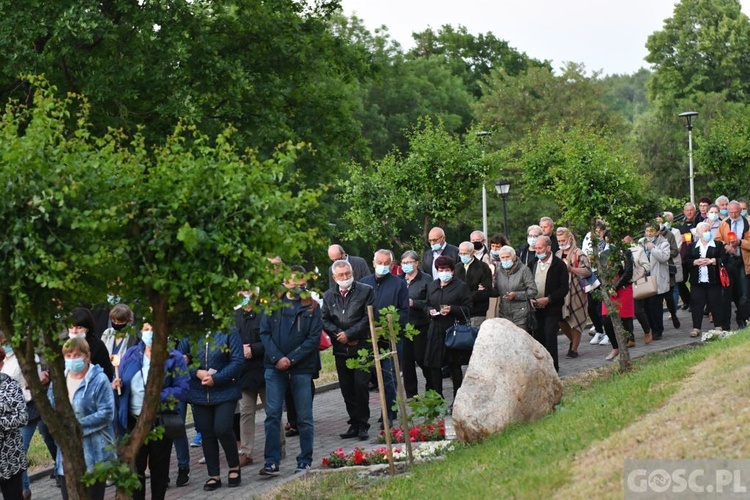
234, 478
212, 484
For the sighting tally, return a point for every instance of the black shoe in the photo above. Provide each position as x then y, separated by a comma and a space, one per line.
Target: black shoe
183, 476
685, 307
212, 484
234, 478
656, 336
363, 435
675, 322
351, 433
292, 432
572, 354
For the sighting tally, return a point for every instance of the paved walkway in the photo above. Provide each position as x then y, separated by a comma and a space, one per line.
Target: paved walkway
330, 421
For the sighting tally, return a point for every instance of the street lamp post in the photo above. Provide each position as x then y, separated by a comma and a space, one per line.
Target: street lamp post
688, 116
482, 134
503, 188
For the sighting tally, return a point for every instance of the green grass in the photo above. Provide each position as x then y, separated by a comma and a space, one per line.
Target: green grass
531, 460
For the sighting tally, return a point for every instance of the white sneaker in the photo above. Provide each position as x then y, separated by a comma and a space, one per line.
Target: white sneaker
597, 338
605, 340
592, 331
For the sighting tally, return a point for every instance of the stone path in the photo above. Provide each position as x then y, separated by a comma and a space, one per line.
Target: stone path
330, 421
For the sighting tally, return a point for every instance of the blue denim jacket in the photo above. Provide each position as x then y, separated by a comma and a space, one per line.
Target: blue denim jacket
94, 406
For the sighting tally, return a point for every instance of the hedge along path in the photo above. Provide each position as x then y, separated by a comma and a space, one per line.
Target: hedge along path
701, 420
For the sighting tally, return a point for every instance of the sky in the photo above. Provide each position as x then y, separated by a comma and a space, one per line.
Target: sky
605, 35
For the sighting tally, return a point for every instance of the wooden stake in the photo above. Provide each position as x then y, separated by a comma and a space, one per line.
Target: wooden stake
381, 390
401, 391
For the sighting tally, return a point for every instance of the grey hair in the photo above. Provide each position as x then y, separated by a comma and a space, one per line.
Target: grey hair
734, 202
341, 263
546, 219
467, 244
689, 205
508, 250
484, 238
536, 228
704, 226
410, 254
384, 251
721, 199
545, 239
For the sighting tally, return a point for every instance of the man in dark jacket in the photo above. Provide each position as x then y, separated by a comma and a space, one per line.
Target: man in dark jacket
478, 276
389, 290
438, 247
346, 322
359, 265
551, 276
252, 381
290, 336
416, 284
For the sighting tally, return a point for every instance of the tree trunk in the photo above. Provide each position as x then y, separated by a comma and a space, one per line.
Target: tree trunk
622, 346
159, 350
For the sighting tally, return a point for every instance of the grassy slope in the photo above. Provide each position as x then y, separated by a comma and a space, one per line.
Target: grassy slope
540, 460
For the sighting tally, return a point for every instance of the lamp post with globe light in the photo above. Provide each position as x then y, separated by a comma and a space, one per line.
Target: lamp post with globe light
503, 188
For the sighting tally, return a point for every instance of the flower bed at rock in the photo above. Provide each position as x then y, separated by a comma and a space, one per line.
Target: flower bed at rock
418, 433
712, 335
361, 457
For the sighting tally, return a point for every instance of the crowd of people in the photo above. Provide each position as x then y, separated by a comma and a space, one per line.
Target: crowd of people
545, 286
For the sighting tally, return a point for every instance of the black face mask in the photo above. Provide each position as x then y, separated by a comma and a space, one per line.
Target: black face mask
297, 291
119, 327
478, 245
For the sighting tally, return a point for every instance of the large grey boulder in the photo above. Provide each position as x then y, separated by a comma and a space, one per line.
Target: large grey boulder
510, 378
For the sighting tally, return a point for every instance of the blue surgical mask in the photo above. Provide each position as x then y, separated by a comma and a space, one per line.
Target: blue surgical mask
531, 240
465, 258
407, 268
507, 264
541, 256
445, 276
706, 236
651, 238
744, 213
713, 216
382, 270
75, 365
436, 246
495, 254
147, 336
668, 225
8, 349
724, 211
245, 301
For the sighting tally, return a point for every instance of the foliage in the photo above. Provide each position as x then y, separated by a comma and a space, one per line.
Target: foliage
471, 57
428, 407
431, 184
626, 94
365, 357
703, 48
724, 153
590, 175
513, 106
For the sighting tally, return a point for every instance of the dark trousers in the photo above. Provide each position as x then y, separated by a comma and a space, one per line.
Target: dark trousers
595, 312
215, 423
609, 328
414, 356
434, 379
12, 488
95, 492
291, 410
640, 314
655, 313
671, 304
546, 333
156, 455
683, 288
702, 295
353, 384
733, 293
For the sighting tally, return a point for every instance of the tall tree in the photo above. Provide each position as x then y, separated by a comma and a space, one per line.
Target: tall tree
704, 47
392, 199
472, 57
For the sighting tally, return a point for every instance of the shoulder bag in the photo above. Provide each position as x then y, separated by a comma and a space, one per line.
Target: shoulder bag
461, 337
531, 323
325, 341
644, 287
723, 274
173, 423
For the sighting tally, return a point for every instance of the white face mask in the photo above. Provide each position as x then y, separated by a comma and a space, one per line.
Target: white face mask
564, 247
345, 284
531, 240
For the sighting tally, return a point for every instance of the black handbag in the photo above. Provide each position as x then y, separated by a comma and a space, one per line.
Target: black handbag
173, 423
32, 411
461, 337
531, 323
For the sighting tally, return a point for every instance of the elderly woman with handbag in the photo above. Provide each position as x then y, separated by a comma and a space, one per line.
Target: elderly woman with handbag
705, 258
449, 303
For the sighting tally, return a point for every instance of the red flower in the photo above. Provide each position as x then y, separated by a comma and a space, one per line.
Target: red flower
325, 462
359, 457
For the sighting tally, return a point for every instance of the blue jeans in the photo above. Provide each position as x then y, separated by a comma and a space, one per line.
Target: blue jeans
181, 448
27, 432
276, 386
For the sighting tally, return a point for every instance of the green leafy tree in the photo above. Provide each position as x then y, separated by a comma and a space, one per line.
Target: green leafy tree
511, 105
429, 185
472, 57
703, 48
182, 227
